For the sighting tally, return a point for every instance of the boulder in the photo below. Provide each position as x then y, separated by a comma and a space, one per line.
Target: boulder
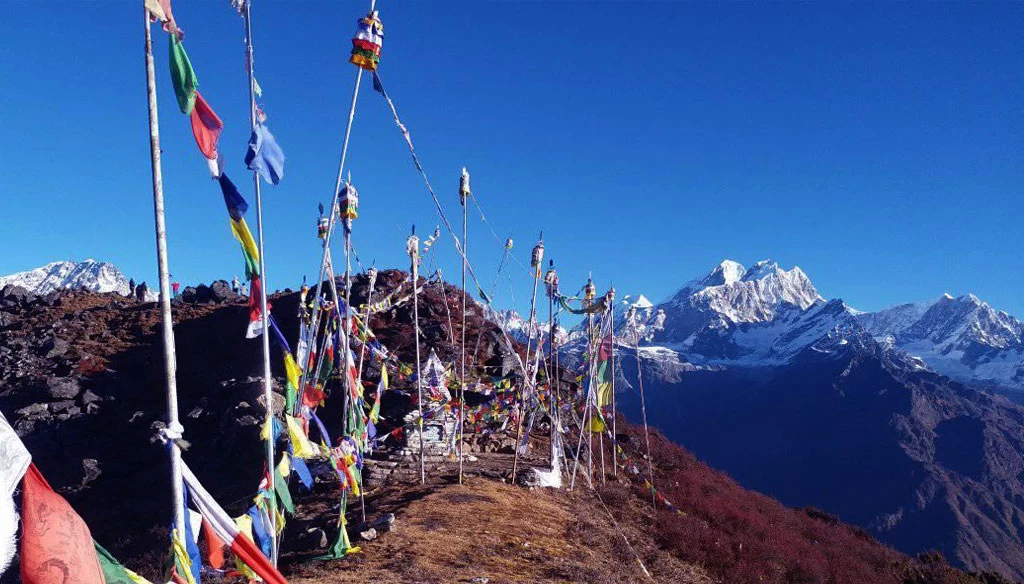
220, 291
204, 293
62, 388
188, 295
90, 470
88, 397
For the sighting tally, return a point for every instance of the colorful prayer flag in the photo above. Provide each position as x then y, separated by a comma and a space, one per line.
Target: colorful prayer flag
206, 127
228, 532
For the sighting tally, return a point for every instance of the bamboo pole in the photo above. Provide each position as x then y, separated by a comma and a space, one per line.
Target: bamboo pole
167, 323
268, 393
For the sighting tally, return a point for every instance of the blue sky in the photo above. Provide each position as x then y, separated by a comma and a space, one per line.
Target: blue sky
877, 146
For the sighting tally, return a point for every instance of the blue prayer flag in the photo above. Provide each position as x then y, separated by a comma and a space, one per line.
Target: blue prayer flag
264, 155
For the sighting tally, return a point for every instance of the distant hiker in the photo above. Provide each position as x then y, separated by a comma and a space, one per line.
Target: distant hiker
140, 292
131, 286
234, 285
245, 290
174, 289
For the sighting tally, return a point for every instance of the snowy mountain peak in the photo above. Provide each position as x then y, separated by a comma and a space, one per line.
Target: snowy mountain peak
731, 295
727, 272
761, 270
89, 275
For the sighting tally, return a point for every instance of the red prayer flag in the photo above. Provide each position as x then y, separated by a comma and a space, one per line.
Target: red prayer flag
206, 127
56, 545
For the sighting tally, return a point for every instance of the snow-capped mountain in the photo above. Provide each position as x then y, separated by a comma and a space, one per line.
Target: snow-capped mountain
759, 316
963, 338
731, 294
89, 275
518, 328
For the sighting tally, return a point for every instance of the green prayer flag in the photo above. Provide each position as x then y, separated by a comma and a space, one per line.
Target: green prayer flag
113, 571
283, 495
183, 77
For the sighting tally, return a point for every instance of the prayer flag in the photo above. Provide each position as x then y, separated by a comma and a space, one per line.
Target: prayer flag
233, 199
264, 155
255, 314
114, 572
183, 77
227, 531
14, 461
56, 545
206, 127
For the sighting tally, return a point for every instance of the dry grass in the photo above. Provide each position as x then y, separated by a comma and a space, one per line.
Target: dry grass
487, 529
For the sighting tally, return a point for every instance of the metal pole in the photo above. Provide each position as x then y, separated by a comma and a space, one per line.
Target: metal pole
268, 392
167, 328
590, 380
412, 247
464, 192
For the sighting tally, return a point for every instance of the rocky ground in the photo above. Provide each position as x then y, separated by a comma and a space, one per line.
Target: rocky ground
81, 379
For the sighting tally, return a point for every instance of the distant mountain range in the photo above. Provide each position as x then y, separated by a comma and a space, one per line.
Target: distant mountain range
67, 275
89, 275
879, 417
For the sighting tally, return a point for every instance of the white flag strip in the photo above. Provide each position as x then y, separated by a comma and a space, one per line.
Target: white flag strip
14, 458
14, 461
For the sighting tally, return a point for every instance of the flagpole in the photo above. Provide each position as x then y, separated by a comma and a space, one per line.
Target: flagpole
615, 435
412, 246
337, 189
535, 262
464, 194
167, 328
268, 392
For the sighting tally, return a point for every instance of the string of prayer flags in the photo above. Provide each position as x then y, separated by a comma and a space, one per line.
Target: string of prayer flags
206, 127
264, 155
183, 76
367, 42
228, 531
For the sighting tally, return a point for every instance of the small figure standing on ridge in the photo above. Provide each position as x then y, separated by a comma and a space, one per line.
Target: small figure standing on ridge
234, 285
131, 286
244, 290
174, 288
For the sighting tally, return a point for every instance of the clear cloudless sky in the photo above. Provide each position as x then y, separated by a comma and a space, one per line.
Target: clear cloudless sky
876, 145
